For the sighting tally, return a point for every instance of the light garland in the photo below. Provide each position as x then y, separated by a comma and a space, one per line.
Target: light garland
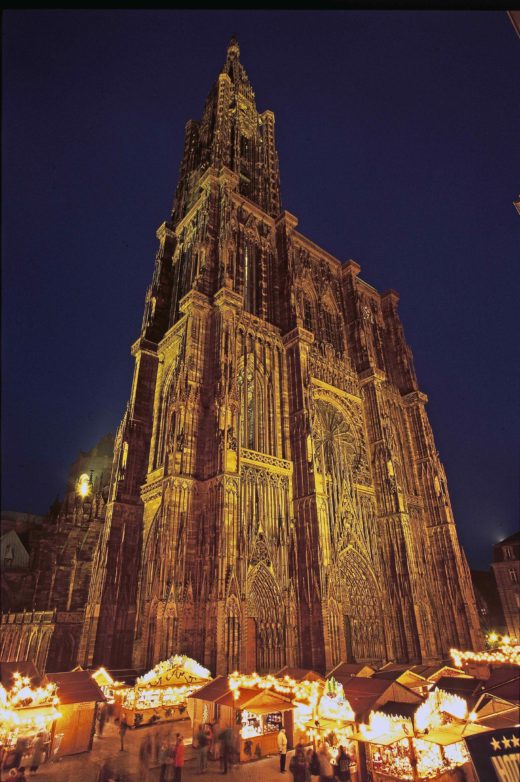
303, 691
431, 713
507, 654
385, 725
24, 710
178, 665
21, 694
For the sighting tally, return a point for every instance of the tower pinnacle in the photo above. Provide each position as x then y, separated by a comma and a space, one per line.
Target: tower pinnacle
233, 50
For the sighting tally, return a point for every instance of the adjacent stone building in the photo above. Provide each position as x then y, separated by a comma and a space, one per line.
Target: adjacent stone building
506, 567
44, 609
277, 497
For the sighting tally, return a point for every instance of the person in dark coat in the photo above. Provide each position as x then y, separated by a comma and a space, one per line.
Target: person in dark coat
298, 764
343, 765
123, 727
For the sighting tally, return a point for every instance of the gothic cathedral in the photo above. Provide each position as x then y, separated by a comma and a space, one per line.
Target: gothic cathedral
276, 495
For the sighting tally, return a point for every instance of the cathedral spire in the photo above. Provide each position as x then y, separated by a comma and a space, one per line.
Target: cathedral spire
231, 134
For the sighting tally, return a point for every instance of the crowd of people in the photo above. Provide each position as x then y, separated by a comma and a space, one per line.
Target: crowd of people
308, 764
162, 749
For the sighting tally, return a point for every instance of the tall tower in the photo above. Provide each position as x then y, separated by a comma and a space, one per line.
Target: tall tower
276, 494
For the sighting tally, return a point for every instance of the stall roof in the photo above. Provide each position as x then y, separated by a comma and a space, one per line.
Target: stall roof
266, 702
125, 675
497, 713
76, 687
213, 691
365, 695
346, 670
300, 674
434, 672
26, 667
244, 695
397, 709
406, 677
450, 734
463, 687
504, 682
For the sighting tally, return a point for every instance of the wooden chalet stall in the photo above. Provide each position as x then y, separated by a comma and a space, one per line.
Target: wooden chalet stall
253, 714
28, 713
162, 693
79, 696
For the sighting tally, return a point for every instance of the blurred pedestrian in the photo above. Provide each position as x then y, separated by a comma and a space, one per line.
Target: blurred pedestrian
179, 758
298, 763
106, 772
123, 727
38, 752
343, 765
145, 757
202, 750
101, 719
324, 758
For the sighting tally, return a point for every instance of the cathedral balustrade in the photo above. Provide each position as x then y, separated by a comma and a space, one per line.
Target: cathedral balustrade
266, 460
28, 617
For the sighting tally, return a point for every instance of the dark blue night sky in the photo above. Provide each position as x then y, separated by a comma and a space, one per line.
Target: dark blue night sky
398, 135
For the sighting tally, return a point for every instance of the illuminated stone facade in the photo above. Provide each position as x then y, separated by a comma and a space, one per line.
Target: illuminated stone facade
44, 608
277, 497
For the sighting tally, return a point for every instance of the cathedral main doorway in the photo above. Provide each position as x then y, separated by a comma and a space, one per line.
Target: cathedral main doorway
265, 622
363, 626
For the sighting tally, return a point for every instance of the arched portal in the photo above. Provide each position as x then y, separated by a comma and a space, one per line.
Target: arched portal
266, 620
361, 607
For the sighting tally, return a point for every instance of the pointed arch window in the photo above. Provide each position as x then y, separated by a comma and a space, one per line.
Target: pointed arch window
232, 637
308, 314
253, 433
334, 631
250, 277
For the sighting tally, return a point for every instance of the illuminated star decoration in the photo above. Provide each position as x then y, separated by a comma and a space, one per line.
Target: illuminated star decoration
495, 744
515, 741
506, 742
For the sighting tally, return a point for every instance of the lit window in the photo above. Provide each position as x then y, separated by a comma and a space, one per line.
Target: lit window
513, 575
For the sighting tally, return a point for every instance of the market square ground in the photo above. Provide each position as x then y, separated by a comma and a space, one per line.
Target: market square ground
86, 766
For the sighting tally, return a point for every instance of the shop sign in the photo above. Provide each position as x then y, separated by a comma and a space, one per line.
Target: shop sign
496, 755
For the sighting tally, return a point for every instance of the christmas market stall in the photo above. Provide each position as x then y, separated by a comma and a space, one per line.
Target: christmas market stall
79, 696
302, 694
163, 692
28, 715
305, 686
252, 707
333, 722
418, 744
